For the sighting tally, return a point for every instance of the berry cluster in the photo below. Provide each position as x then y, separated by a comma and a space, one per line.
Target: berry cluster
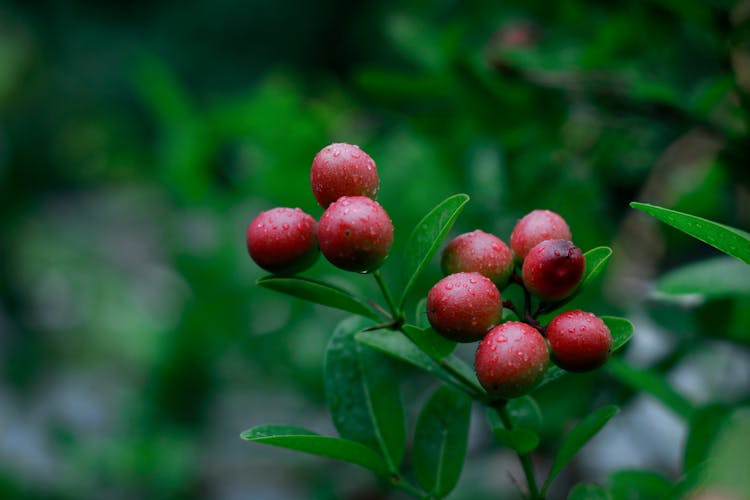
354, 233
466, 305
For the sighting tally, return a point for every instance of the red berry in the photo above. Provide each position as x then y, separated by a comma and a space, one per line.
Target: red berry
553, 269
355, 234
342, 169
282, 240
535, 227
463, 306
511, 360
479, 252
579, 340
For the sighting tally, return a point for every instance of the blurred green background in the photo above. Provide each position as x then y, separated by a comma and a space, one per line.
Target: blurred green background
138, 139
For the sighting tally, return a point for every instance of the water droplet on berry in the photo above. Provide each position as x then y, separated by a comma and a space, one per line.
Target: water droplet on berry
336, 153
285, 227
448, 286
501, 338
473, 281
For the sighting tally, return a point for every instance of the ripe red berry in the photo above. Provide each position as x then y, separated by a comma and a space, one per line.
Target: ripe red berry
342, 169
511, 360
355, 234
282, 240
463, 306
479, 252
553, 269
535, 227
579, 340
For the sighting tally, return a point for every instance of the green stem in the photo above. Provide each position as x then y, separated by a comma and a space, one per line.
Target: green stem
525, 458
395, 313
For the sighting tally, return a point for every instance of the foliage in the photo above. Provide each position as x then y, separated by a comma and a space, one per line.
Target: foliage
137, 140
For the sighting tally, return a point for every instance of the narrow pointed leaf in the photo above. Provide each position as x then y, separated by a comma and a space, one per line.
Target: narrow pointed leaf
397, 345
431, 342
520, 439
621, 330
440, 441
577, 438
427, 236
466, 373
420, 318
319, 293
524, 412
714, 278
553, 373
300, 439
596, 259
729, 240
362, 392
650, 383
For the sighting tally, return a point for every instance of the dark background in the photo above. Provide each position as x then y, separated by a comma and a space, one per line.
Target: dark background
138, 139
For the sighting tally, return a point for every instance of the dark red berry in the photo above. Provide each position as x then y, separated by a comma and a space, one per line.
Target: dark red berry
553, 269
479, 252
355, 234
282, 240
511, 360
535, 227
463, 306
342, 169
579, 340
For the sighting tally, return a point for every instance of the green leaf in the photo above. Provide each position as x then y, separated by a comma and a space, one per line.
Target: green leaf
426, 238
319, 293
708, 279
621, 330
397, 345
524, 412
577, 438
588, 491
520, 439
639, 484
729, 240
553, 373
704, 425
650, 383
596, 259
420, 319
362, 392
465, 372
297, 438
440, 440
435, 345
